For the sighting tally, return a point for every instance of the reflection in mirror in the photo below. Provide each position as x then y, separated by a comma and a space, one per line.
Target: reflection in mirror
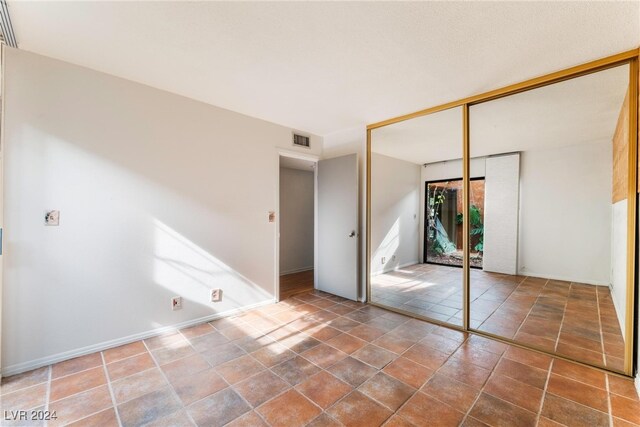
416, 209
552, 232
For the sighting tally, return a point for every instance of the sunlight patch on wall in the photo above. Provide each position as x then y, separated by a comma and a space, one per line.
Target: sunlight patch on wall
190, 271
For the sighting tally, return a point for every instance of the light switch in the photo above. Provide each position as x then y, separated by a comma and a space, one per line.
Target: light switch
52, 218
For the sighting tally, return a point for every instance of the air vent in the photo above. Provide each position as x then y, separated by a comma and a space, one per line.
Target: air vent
301, 141
8, 37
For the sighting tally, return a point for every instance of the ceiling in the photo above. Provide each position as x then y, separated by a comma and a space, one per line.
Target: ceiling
296, 163
576, 111
322, 67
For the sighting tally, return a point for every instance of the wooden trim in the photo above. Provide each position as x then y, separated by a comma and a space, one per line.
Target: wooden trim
629, 342
620, 153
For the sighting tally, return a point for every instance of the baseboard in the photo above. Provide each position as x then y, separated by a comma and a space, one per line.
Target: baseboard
562, 278
397, 267
617, 309
296, 270
637, 381
60, 357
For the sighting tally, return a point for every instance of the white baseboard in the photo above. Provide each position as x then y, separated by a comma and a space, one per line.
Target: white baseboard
60, 357
296, 270
637, 381
394, 268
618, 312
562, 278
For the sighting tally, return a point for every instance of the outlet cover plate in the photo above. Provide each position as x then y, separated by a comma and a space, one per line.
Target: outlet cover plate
52, 218
176, 303
216, 295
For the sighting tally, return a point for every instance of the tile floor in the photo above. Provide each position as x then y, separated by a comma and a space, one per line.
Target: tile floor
319, 360
572, 319
295, 283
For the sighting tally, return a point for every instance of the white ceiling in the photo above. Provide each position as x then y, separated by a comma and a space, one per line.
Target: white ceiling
576, 111
296, 163
326, 66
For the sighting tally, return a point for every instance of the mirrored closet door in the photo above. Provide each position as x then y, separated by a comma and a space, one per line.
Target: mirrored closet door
554, 223
416, 210
512, 214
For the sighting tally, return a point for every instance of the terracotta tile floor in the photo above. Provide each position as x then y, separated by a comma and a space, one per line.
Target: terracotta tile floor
571, 319
320, 360
295, 283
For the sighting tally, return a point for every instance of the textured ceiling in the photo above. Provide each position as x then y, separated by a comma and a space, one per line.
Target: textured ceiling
577, 111
326, 66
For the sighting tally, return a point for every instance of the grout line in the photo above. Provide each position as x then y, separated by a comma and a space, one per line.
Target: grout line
113, 398
564, 314
504, 301
263, 333
531, 309
544, 391
74, 373
173, 392
604, 355
48, 395
293, 387
606, 378
481, 390
94, 367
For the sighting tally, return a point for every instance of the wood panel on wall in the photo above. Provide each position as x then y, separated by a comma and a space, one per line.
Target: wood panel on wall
621, 153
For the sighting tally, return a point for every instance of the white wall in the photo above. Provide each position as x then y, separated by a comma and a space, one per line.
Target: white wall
350, 141
565, 213
395, 208
159, 195
296, 220
619, 259
451, 169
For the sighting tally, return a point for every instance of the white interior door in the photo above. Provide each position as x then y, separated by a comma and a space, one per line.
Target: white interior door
337, 258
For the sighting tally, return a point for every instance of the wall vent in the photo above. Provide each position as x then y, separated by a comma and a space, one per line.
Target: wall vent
301, 141
6, 29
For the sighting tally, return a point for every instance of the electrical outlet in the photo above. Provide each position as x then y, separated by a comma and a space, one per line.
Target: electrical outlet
383, 259
393, 257
52, 218
176, 303
216, 295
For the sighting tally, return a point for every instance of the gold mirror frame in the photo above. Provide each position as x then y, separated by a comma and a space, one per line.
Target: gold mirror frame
632, 58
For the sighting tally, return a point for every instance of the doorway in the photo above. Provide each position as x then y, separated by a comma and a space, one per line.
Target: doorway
296, 258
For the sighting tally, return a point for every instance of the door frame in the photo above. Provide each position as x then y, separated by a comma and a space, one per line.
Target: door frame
301, 156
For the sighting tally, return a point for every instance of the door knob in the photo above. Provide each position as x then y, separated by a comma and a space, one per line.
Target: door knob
352, 234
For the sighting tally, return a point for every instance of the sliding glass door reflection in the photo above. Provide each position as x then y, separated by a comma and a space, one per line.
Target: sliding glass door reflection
443, 232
